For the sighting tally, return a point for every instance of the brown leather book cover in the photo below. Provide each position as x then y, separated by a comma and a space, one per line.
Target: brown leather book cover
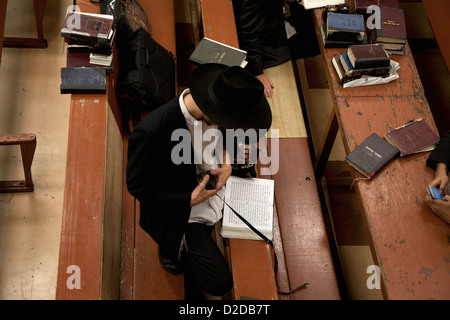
365, 56
413, 137
392, 26
361, 5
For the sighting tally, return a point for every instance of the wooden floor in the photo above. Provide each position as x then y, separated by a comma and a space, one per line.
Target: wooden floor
30, 223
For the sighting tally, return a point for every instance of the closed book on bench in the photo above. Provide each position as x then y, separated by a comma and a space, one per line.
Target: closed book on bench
393, 28
253, 199
345, 27
83, 80
371, 155
88, 26
414, 137
211, 51
352, 72
365, 56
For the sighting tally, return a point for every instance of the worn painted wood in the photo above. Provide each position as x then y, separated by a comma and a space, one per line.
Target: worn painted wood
287, 116
305, 242
408, 242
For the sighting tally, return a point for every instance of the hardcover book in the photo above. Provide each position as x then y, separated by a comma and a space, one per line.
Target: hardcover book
329, 43
88, 26
345, 27
350, 71
371, 155
83, 80
211, 51
368, 56
253, 199
362, 5
414, 137
393, 27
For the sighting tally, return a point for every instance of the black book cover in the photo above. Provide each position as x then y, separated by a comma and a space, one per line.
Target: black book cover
211, 51
371, 155
83, 80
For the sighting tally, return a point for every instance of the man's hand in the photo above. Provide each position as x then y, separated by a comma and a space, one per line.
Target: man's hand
222, 173
440, 178
267, 83
201, 194
440, 207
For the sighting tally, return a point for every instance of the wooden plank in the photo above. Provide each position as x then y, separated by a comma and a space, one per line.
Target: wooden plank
407, 229
409, 244
82, 222
287, 116
305, 242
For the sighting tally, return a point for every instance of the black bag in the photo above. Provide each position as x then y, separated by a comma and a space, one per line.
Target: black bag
146, 75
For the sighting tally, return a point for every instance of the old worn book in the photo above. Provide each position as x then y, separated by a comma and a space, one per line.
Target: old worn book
329, 43
83, 80
367, 56
414, 137
211, 51
353, 72
371, 155
393, 27
345, 27
88, 26
253, 199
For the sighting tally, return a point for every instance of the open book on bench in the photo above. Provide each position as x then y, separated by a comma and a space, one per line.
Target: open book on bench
253, 199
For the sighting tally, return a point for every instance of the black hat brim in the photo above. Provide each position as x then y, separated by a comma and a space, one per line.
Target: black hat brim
259, 119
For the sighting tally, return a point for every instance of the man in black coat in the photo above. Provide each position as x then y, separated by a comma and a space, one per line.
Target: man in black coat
162, 172
261, 32
439, 160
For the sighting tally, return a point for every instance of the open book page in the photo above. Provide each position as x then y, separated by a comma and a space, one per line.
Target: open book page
311, 4
253, 199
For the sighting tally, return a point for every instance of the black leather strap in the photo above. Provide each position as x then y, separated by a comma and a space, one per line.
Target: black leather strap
248, 224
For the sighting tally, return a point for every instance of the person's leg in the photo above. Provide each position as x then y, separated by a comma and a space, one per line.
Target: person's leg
205, 267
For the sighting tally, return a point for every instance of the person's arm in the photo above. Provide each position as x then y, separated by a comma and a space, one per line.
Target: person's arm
440, 177
440, 207
251, 18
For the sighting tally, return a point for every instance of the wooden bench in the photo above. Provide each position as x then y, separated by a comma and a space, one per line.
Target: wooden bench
300, 236
408, 242
27, 143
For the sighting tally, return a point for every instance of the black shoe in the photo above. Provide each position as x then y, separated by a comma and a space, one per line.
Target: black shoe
170, 265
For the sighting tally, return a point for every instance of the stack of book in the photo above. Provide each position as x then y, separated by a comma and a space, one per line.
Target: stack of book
90, 40
392, 34
342, 30
360, 60
90, 34
375, 152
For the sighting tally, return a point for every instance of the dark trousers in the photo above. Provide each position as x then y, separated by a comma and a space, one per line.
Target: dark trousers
205, 267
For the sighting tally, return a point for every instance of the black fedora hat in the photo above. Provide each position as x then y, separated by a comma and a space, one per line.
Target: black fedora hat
231, 97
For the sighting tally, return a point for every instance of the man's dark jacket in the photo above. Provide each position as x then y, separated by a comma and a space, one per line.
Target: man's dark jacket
162, 187
441, 153
261, 32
